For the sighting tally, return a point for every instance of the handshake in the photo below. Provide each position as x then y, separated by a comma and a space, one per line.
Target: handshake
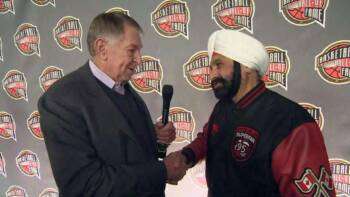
175, 162
176, 167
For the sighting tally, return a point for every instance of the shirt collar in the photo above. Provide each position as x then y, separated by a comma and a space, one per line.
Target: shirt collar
105, 79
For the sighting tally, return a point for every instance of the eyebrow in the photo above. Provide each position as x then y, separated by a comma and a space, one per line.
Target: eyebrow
134, 46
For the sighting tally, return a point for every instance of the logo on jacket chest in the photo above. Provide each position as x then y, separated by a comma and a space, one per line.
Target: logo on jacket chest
243, 143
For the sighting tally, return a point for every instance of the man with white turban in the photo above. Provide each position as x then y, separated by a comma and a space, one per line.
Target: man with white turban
256, 142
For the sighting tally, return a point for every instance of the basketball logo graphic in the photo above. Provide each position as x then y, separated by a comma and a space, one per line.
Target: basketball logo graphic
7, 126
49, 76
28, 163
16, 191
333, 64
148, 75
68, 33
171, 18
15, 85
196, 71
315, 112
33, 125
183, 122
27, 39
234, 14
278, 69
302, 13
341, 175
6, 6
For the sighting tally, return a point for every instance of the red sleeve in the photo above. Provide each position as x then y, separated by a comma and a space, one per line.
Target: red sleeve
199, 145
300, 164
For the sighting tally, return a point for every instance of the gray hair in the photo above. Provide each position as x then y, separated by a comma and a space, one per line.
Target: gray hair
111, 23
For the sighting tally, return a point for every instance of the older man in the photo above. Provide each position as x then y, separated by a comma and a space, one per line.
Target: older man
98, 132
256, 142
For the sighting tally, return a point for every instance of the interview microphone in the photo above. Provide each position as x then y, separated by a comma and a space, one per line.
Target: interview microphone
167, 94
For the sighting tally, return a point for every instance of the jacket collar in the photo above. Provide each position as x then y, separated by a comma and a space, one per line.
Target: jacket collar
252, 95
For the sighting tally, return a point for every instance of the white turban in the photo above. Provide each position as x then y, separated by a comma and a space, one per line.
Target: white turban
239, 47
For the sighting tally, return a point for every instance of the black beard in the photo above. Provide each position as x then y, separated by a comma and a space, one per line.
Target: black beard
227, 89
223, 90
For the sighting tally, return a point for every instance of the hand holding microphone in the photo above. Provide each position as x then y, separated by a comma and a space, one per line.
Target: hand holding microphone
165, 131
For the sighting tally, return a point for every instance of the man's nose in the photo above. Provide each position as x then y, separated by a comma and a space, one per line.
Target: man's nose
138, 58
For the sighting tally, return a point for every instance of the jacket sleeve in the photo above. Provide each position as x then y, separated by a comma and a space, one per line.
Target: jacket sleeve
77, 168
300, 163
197, 149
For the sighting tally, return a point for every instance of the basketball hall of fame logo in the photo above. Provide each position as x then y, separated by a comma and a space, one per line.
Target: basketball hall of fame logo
27, 39
278, 69
68, 33
118, 10
7, 6
341, 176
33, 125
333, 63
44, 2
196, 71
49, 76
148, 75
2, 165
15, 85
184, 124
315, 112
16, 191
7, 126
49, 192
304, 12
171, 18
234, 14
28, 163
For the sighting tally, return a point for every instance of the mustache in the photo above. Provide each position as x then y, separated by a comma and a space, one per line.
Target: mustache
217, 80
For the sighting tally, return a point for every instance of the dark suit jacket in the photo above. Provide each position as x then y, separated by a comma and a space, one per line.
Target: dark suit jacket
92, 149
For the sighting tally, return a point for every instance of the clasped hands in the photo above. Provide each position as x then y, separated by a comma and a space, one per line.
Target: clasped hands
175, 162
176, 166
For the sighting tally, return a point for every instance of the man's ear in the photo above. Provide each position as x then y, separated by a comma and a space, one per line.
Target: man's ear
247, 72
100, 47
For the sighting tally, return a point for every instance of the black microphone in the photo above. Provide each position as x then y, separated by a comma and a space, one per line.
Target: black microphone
167, 94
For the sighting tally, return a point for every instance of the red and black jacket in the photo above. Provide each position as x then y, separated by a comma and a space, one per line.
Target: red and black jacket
266, 145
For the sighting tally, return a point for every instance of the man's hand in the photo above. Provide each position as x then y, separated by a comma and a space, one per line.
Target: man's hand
175, 164
165, 134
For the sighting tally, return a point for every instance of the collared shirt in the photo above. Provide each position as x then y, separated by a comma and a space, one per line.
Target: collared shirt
105, 79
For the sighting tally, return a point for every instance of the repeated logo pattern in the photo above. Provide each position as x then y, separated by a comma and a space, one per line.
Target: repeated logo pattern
30, 41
